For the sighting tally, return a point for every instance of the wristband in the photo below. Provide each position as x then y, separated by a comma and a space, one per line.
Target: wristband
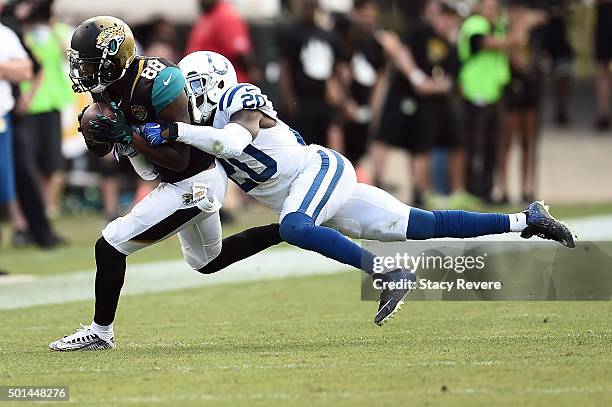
172, 131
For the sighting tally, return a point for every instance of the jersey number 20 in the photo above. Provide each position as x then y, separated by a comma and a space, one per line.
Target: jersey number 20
255, 177
253, 101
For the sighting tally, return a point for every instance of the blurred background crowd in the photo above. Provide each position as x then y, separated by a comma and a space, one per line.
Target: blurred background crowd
464, 89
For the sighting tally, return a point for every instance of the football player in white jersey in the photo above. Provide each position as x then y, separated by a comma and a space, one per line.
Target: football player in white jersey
314, 189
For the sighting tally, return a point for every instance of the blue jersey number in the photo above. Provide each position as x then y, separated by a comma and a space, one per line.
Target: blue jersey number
251, 101
255, 178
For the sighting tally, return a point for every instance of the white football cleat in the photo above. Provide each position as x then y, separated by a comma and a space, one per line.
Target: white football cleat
83, 339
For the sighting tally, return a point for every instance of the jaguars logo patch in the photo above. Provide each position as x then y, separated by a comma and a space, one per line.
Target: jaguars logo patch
139, 112
110, 39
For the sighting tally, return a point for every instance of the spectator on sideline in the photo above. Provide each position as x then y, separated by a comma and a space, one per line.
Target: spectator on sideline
522, 103
361, 73
436, 117
36, 228
221, 29
398, 121
485, 71
43, 99
603, 55
15, 66
308, 56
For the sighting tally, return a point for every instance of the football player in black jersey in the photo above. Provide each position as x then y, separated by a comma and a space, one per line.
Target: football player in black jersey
141, 90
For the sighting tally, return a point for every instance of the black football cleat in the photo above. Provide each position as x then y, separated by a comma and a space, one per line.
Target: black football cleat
542, 224
392, 298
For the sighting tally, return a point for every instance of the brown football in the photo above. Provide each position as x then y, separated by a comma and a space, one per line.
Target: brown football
90, 114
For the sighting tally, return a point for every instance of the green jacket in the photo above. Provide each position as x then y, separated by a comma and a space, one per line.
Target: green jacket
483, 74
55, 90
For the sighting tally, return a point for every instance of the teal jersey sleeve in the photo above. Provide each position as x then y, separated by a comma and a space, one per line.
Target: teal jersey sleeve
167, 86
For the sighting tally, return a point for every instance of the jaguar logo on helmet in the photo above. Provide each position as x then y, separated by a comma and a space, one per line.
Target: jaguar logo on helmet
101, 50
110, 39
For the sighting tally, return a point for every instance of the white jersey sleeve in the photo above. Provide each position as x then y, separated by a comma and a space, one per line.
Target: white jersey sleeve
240, 97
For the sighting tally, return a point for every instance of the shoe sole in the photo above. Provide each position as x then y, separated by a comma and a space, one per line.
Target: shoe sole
398, 307
100, 345
574, 241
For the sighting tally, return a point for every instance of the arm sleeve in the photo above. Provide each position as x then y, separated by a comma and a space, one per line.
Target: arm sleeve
227, 142
167, 86
143, 167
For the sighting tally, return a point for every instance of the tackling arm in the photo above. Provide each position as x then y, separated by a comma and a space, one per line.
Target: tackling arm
224, 143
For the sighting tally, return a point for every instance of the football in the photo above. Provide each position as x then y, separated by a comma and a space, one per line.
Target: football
90, 114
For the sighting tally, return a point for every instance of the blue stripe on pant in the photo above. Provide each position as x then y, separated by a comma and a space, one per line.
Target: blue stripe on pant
332, 185
319, 180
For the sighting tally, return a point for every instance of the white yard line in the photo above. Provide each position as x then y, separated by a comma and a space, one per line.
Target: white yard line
164, 276
26, 291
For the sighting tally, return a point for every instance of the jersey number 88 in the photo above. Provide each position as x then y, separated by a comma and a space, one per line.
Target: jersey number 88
153, 68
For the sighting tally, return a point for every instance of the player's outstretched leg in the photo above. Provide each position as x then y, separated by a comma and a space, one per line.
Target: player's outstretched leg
110, 275
374, 214
535, 220
300, 230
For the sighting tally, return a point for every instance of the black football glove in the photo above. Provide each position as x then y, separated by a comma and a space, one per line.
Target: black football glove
107, 130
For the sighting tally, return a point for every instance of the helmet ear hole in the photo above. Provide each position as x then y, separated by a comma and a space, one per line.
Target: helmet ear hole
221, 84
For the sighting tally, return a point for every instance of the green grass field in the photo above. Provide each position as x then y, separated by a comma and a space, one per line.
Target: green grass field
308, 340
304, 341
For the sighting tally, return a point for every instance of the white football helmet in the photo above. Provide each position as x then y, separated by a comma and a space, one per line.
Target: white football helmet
208, 75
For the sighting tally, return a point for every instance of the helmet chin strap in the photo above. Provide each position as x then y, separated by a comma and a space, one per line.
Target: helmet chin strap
195, 110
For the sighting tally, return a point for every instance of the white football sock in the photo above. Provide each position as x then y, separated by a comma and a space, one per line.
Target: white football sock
104, 332
518, 222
